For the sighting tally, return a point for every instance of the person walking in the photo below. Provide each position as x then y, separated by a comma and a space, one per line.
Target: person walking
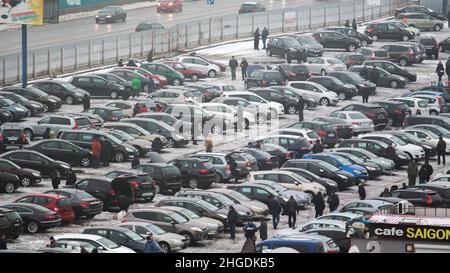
347, 23
233, 63
96, 148
157, 145
447, 68
150, 56
120, 63
52, 242
291, 207
56, 180
46, 134
300, 108
256, 39
233, 167
86, 102
135, 162
375, 75
3, 243
136, 86
264, 35
263, 230
106, 151
151, 246
425, 172
317, 147
440, 70
232, 217
209, 143
361, 191
275, 210
365, 94
448, 17
333, 201
354, 26
319, 204
250, 230
244, 66
441, 147
385, 193
412, 173
392, 155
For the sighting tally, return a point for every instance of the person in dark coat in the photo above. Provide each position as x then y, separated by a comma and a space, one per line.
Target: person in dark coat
56, 180
447, 68
404, 186
46, 134
361, 191
244, 65
448, 17
365, 94
135, 162
333, 201
86, 102
318, 147
354, 26
365, 73
263, 230
425, 172
233, 63
233, 167
256, 39
264, 35
440, 150
150, 56
275, 210
300, 108
232, 221
250, 230
71, 180
3, 243
319, 204
385, 193
106, 151
392, 155
440, 70
347, 23
291, 207
157, 145
412, 173
120, 63
375, 75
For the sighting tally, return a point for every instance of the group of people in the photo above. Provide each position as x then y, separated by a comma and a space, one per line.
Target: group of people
354, 26
256, 37
233, 63
441, 71
101, 151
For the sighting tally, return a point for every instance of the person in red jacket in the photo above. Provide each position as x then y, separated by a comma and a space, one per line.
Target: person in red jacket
96, 152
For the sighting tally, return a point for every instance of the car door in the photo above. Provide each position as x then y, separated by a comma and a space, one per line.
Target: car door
56, 124
185, 167
22, 159
100, 87
118, 237
51, 149
164, 221
40, 163
261, 195
393, 32
84, 140
315, 65
84, 83
280, 46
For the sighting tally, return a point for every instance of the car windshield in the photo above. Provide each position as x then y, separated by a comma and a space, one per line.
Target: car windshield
290, 42
224, 200
413, 137
19, 98
333, 61
355, 77
37, 91
275, 186
300, 178
172, 170
108, 243
398, 141
156, 230
356, 159
307, 39
228, 88
238, 196
117, 113
68, 86
177, 217
357, 116
343, 160
133, 235
190, 214
119, 136
7, 102
107, 10
328, 166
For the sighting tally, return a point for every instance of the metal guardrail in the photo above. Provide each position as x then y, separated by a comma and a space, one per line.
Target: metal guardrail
71, 57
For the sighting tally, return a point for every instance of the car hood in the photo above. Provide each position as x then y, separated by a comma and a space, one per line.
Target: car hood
139, 142
63, 163
53, 98
35, 104
197, 223
297, 194
348, 174
210, 222
81, 91
23, 170
255, 206
168, 237
121, 249
16, 107
382, 161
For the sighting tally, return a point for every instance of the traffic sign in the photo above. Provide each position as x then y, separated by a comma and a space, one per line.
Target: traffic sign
210, 2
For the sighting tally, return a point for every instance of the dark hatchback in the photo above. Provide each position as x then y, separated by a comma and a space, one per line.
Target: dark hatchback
15, 223
397, 111
343, 129
11, 135
83, 204
27, 177
51, 103
121, 236
431, 46
329, 184
280, 152
287, 47
387, 30
258, 192
326, 131
264, 160
250, 7
294, 72
344, 91
61, 89
146, 185
386, 79
393, 68
350, 32
289, 104
197, 173
100, 87
441, 188
35, 217
264, 78
168, 178
110, 15
443, 122
421, 197
334, 39
35, 108
377, 114
355, 79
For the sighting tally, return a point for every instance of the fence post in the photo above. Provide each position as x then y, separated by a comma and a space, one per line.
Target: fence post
339, 12
210, 32
62, 60
130, 45
364, 10
34, 65
221, 30
4, 72
90, 54
200, 33
325, 15
373, 11
142, 45
103, 51
48, 60
187, 37
298, 19
268, 21
253, 23
310, 18
354, 10
18, 68
117, 49
283, 18
76, 57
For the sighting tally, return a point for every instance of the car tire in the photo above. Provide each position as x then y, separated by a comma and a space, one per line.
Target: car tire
216, 130
194, 77
126, 96
119, 157
33, 227
291, 109
341, 96
375, 37
97, 21
176, 82
310, 194
219, 178
188, 236
324, 101
165, 248
269, 52
393, 84
193, 183
170, 143
9, 187
364, 43
25, 181
323, 72
69, 100
351, 48
212, 73
433, 113
405, 38
113, 95
29, 134
85, 162
437, 27
403, 62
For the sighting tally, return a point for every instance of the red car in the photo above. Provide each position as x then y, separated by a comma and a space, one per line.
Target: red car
162, 80
57, 203
188, 73
169, 5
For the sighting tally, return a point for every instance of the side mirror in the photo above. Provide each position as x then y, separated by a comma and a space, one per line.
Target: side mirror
321, 170
296, 183
100, 248
173, 223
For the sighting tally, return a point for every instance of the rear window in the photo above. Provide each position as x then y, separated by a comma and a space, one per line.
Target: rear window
334, 61
83, 122
328, 128
192, 94
172, 171
304, 142
357, 116
312, 135
381, 53
208, 165
84, 195
300, 68
272, 75
428, 41
64, 202
117, 113
14, 133
229, 88
358, 57
423, 103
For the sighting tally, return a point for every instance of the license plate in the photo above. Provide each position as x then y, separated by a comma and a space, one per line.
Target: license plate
380, 116
273, 83
13, 138
331, 135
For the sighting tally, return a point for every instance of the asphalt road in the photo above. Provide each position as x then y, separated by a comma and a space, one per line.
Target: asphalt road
84, 29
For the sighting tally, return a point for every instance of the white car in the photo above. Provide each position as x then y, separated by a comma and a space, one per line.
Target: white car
310, 135
434, 103
260, 112
314, 224
417, 106
427, 137
276, 108
103, 245
172, 96
229, 112
200, 64
441, 179
290, 180
412, 150
413, 30
359, 122
323, 65
316, 91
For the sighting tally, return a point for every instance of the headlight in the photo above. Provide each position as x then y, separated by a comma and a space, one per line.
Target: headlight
65, 166
242, 213
403, 157
52, 101
427, 147
79, 95
121, 88
371, 168
285, 199
156, 81
342, 176
357, 172
96, 16
196, 229
18, 109
129, 150
176, 241
222, 215
36, 174
108, 16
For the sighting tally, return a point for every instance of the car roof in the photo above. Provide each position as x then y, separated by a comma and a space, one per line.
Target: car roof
68, 190
286, 136
159, 209
277, 171
110, 108
327, 221
78, 236
345, 214
161, 165
369, 201
108, 228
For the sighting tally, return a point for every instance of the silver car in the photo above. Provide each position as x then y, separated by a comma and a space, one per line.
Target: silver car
214, 226
168, 241
259, 208
56, 123
176, 96
220, 163
421, 21
316, 91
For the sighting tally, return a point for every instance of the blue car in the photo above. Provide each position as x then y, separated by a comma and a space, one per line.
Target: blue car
424, 92
302, 245
341, 163
18, 112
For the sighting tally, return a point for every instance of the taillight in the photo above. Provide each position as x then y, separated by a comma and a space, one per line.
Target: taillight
49, 217
134, 184
112, 192
114, 118
228, 169
1, 138
428, 200
439, 100
269, 160
76, 125
84, 204
397, 111
248, 164
311, 142
289, 155
24, 136
322, 133
373, 56
330, 64
56, 209
370, 115
291, 74
263, 82
203, 171
410, 52
356, 123
370, 30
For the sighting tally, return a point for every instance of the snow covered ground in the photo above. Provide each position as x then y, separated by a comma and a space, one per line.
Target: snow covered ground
425, 72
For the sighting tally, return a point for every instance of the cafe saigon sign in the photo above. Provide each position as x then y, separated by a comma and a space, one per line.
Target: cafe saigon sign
410, 232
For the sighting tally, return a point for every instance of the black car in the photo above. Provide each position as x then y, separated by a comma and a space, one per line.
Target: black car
83, 204
108, 113
419, 197
397, 111
5, 116
431, 46
264, 78
326, 131
35, 108
392, 68
259, 192
294, 72
344, 91
385, 79
121, 236
37, 161
83, 138
197, 173
35, 218
168, 178
412, 139
249, 7
420, 9
63, 150
355, 79
334, 39
50, 103
264, 160
350, 32
377, 114
444, 45
27, 177
287, 47
117, 80
5, 227
65, 91
293, 143
15, 227
324, 170
209, 92
441, 188
443, 122
11, 135
110, 15
350, 58
146, 184
289, 104
387, 30
115, 193
280, 152
100, 87
343, 129
329, 184
294, 94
